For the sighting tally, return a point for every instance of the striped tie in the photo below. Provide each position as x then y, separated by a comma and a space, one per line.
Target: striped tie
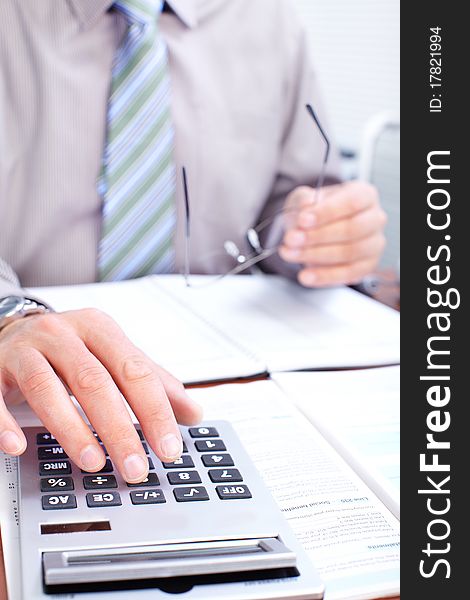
137, 181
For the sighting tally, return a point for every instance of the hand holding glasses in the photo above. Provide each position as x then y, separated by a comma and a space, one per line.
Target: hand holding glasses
255, 252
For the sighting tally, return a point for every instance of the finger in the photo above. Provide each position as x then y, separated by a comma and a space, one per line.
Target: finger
139, 381
358, 226
342, 202
101, 400
12, 439
48, 398
335, 254
340, 274
187, 411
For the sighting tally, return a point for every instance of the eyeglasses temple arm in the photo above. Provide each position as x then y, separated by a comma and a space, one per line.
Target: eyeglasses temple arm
187, 231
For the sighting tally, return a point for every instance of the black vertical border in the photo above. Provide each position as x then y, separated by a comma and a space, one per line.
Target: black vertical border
423, 132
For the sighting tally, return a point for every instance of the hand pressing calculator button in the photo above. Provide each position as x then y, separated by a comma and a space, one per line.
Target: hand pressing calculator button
207, 514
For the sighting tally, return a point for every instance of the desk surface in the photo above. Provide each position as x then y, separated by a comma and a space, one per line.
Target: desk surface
387, 292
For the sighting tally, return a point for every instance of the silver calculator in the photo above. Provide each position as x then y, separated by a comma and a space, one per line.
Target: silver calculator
204, 526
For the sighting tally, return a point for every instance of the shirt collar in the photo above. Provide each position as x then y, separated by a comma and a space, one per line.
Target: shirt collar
185, 10
88, 11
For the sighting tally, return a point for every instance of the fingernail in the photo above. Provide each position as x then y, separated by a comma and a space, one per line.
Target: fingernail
91, 458
135, 467
297, 238
10, 442
307, 219
171, 446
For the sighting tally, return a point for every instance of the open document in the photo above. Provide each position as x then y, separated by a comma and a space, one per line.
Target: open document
358, 412
350, 535
241, 326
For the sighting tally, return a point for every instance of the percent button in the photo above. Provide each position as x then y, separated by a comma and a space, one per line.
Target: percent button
52, 484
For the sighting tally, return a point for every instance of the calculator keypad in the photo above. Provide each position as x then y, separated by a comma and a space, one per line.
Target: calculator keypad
204, 462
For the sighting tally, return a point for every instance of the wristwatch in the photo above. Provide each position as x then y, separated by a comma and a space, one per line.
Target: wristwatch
13, 308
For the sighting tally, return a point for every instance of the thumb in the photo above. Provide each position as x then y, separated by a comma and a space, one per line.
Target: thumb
12, 438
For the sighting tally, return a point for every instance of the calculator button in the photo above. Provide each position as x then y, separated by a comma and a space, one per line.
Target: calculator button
108, 467
57, 484
59, 502
185, 448
210, 446
217, 460
145, 447
97, 482
150, 463
224, 475
185, 461
151, 481
140, 434
45, 438
61, 467
103, 499
148, 497
232, 492
51, 452
190, 494
183, 477
203, 432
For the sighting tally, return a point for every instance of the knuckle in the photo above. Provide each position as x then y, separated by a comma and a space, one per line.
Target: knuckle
49, 324
159, 412
93, 378
92, 315
138, 369
37, 382
383, 218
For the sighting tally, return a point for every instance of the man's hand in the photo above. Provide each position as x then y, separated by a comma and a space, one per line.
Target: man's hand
86, 351
337, 237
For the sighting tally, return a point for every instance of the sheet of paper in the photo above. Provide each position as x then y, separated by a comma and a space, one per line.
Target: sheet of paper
359, 413
163, 329
350, 535
289, 327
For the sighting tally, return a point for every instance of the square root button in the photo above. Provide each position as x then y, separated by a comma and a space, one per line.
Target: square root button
191, 494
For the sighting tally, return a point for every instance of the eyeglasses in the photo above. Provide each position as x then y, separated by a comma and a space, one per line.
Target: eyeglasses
255, 251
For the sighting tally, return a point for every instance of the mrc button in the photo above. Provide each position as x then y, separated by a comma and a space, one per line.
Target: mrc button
55, 467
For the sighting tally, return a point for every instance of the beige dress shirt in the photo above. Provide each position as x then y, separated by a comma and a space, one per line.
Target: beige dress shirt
240, 75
